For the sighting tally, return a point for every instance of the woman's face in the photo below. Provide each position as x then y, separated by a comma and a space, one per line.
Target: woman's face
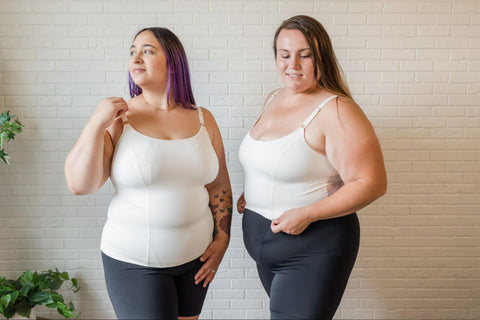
148, 64
295, 61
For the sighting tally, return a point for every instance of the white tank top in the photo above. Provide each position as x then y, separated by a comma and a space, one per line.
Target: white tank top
285, 173
159, 215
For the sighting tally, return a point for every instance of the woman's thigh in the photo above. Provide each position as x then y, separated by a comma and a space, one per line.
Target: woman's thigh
138, 292
308, 289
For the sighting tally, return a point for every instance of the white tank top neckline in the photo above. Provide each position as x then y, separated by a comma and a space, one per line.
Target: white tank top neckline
200, 117
300, 129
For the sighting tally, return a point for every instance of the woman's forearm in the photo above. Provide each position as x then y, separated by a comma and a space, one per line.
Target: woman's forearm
221, 207
350, 198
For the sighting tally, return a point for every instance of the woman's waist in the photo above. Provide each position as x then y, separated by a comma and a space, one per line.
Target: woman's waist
273, 201
157, 211
158, 247
177, 198
143, 227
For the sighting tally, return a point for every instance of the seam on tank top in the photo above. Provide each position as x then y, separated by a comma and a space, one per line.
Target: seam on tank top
287, 149
147, 258
273, 192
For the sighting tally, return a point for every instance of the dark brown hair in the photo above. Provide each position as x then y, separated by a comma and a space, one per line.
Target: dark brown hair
327, 69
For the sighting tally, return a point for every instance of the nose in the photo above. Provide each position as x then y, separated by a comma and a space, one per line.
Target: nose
136, 58
294, 61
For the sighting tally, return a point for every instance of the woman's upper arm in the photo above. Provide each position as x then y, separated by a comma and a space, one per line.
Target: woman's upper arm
217, 143
352, 146
111, 137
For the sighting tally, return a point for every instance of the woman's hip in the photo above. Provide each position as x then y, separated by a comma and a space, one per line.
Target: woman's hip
336, 237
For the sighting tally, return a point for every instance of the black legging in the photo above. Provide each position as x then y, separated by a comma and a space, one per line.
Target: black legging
304, 275
138, 292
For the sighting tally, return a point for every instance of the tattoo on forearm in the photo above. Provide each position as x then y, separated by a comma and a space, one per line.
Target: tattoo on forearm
221, 207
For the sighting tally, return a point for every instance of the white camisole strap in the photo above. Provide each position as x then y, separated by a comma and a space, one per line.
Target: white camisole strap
271, 98
266, 105
200, 116
316, 111
124, 118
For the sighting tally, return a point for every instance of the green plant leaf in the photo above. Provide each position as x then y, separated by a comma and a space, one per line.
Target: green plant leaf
8, 313
23, 309
57, 298
33, 288
39, 297
5, 300
62, 306
4, 156
9, 127
27, 276
55, 284
66, 313
5, 117
42, 284
14, 295
25, 289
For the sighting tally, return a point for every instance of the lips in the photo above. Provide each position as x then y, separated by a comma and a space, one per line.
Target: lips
294, 75
138, 70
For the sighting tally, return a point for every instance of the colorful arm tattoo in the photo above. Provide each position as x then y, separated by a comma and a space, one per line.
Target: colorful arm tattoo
221, 206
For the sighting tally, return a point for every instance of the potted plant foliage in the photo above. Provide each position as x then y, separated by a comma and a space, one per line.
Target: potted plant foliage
9, 127
32, 288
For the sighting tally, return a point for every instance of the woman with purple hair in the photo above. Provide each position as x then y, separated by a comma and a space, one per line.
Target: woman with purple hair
168, 223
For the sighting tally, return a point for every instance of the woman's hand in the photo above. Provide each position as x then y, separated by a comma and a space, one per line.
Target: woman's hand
241, 203
88, 164
293, 222
108, 110
212, 257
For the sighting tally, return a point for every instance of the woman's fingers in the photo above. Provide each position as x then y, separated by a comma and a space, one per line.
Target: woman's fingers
241, 204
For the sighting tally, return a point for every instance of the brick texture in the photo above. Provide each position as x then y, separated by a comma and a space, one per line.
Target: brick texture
413, 66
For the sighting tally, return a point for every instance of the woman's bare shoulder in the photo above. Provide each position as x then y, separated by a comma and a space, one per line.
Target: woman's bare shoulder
343, 114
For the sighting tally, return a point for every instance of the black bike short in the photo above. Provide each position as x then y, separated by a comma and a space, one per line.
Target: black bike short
139, 292
304, 275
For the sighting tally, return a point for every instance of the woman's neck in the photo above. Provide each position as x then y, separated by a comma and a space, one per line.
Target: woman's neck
157, 101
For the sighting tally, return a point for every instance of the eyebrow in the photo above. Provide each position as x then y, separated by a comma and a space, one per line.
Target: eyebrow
143, 45
304, 49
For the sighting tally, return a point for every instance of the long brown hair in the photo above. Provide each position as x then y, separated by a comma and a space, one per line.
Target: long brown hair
327, 69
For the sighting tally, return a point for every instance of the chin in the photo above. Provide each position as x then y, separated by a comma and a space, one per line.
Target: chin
295, 88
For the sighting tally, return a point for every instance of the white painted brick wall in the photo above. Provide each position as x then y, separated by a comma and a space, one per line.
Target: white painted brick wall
414, 67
